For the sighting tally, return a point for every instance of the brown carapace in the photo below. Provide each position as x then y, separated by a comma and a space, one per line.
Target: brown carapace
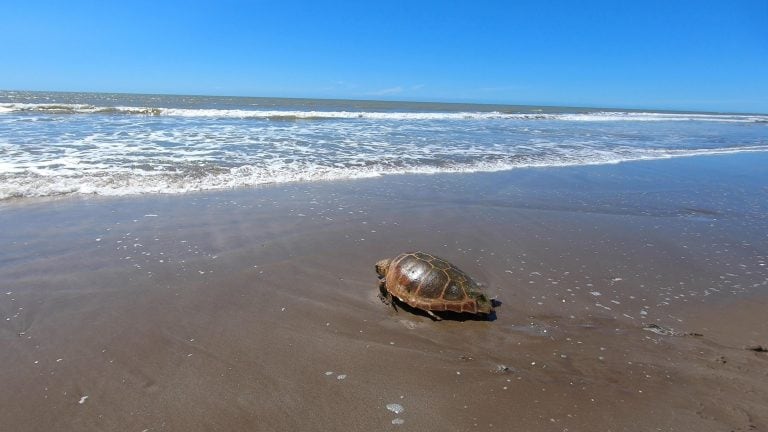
431, 283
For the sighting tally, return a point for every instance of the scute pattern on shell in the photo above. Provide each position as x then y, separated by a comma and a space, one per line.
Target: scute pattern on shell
428, 282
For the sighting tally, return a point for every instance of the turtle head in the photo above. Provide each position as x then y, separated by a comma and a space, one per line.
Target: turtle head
382, 267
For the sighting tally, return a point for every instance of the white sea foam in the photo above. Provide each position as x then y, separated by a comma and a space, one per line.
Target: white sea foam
44, 152
132, 182
603, 116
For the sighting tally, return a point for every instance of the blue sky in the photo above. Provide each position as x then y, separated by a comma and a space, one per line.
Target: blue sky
647, 54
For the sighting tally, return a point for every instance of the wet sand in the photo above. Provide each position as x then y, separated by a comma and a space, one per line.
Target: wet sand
256, 309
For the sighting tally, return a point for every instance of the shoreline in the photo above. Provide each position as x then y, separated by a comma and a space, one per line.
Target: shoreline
737, 153
227, 309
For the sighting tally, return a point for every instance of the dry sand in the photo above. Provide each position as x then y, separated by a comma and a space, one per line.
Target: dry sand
256, 309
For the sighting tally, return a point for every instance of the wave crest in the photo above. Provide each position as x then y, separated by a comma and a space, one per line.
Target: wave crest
295, 115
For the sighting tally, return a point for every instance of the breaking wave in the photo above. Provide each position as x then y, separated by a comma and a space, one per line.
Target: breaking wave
190, 177
109, 144
289, 115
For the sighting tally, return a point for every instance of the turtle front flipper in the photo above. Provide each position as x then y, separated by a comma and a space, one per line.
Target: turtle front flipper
385, 296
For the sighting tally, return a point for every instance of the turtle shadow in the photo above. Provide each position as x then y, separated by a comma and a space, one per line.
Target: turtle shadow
447, 315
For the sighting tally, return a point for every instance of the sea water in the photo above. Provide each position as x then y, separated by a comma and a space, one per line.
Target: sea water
118, 144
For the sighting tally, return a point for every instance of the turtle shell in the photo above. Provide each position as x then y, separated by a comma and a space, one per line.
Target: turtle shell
431, 283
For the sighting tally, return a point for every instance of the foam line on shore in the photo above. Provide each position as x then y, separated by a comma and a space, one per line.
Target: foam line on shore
44, 183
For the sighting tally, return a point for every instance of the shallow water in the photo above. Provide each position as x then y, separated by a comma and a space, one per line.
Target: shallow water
109, 144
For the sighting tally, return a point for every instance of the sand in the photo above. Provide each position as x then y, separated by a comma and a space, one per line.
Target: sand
256, 309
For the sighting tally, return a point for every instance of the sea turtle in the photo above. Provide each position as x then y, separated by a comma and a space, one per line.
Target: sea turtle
430, 283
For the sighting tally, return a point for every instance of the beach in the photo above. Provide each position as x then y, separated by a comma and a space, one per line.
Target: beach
632, 296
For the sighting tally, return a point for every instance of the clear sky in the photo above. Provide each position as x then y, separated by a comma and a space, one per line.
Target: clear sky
704, 55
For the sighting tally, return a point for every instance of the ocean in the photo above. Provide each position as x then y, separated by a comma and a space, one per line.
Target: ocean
55, 144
